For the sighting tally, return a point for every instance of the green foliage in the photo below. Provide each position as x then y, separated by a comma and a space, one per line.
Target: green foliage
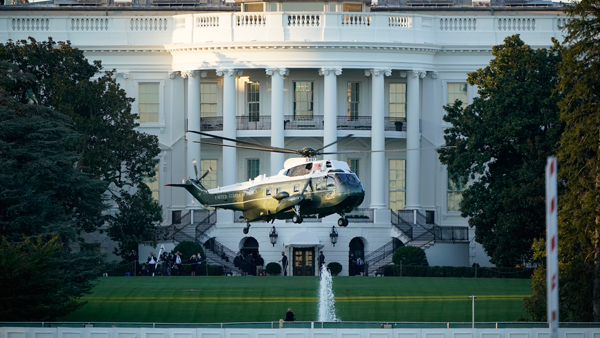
500, 143
107, 146
409, 255
189, 248
273, 269
138, 215
335, 268
456, 271
579, 166
27, 263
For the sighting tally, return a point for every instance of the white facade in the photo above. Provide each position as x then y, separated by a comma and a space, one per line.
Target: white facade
200, 65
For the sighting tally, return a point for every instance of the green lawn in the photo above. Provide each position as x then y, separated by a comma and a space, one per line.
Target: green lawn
259, 299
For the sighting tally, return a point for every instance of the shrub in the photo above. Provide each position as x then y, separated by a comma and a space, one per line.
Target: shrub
273, 269
335, 268
456, 271
410, 255
188, 249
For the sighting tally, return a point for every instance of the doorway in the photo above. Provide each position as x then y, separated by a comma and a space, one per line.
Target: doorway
304, 262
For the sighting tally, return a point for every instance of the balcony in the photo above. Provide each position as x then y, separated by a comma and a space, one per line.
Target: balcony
395, 123
211, 123
293, 123
257, 122
354, 123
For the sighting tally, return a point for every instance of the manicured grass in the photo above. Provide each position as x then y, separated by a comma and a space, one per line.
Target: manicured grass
259, 299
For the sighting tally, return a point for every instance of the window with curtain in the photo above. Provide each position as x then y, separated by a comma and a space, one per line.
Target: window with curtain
397, 184
148, 102
303, 100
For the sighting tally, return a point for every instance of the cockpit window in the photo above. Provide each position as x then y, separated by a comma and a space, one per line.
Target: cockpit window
345, 178
300, 170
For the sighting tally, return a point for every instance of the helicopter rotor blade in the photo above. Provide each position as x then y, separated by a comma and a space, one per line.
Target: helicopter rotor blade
195, 167
279, 150
381, 151
332, 143
265, 148
206, 173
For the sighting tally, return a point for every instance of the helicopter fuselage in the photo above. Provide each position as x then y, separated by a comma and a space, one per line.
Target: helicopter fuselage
312, 188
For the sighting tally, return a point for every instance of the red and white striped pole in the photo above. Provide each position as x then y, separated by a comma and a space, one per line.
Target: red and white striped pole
552, 245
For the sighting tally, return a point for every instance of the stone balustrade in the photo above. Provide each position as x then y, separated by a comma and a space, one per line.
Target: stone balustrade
388, 30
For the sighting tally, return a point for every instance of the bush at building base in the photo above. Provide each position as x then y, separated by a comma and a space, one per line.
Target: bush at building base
273, 269
335, 268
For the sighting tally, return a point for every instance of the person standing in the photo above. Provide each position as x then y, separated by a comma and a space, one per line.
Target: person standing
259, 264
152, 263
178, 261
193, 264
359, 266
284, 263
321, 262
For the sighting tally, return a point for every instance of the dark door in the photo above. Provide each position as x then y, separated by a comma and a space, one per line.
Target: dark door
304, 262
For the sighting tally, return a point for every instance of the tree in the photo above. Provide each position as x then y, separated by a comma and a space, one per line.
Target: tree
36, 283
579, 165
500, 143
409, 255
109, 147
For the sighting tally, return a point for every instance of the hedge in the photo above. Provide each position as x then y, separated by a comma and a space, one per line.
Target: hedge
457, 271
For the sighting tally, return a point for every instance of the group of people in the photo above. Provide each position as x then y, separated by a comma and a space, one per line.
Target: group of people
168, 264
355, 266
250, 265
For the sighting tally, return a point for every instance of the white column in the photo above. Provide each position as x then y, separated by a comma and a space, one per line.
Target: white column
229, 176
277, 113
193, 123
413, 140
330, 106
378, 184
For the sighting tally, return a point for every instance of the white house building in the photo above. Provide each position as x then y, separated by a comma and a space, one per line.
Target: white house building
294, 74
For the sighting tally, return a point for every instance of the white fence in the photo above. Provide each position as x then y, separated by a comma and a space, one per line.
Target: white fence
85, 331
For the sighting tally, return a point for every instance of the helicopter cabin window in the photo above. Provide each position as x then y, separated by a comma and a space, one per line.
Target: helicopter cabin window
318, 186
253, 98
148, 102
254, 7
296, 188
253, 168
352, 7
268, 192
277, 191
208, 100
330, 181
397, 102
353, 101
353, 165
303, 100
210, 181
397, 184
300, 170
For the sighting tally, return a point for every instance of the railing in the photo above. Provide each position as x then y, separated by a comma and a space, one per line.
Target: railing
380, 257
516, 24
89, 24
360, 215
205, 224
303, 20
399, 21
30, 24
222, 251
211, 123
207, 21
251, 20
253, 122
425, 233
354, 123
394, 123
458, 24
314, 123
148, 24
356, 20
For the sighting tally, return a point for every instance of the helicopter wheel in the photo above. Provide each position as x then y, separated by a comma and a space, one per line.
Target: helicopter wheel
246, 229
343, 222
297, 219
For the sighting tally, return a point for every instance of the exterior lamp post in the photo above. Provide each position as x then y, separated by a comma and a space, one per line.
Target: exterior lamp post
273, 236
473, 311
333, 235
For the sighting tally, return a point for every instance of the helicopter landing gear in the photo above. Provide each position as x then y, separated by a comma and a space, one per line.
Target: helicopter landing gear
343, 221
247, 228
297, 218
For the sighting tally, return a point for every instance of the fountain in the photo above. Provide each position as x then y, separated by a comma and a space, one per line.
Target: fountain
326, 299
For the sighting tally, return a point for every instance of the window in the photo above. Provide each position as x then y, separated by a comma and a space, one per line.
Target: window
397, 101
254, 7
352, 7
353, 164
253, 168
268, 192
397, 184
152, 183
252, 92
303, 100
210, 181
455, 190
353, 101
148, 102
458, 91
208, 100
